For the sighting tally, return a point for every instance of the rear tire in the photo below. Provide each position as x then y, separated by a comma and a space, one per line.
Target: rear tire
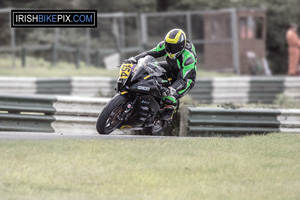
108, 119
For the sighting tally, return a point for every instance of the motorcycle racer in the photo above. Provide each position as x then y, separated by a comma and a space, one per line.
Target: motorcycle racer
180, 65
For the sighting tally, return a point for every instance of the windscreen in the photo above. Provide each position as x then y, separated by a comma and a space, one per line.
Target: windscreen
147, 66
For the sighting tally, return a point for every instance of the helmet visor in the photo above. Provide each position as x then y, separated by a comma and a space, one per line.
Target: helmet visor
174, 48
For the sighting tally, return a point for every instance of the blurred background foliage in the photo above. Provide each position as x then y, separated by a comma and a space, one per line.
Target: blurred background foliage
280, 13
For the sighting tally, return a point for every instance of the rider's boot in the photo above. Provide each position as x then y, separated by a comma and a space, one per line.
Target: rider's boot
166, 119
168, 113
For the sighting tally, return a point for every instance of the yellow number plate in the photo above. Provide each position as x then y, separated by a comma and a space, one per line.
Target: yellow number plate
125, 71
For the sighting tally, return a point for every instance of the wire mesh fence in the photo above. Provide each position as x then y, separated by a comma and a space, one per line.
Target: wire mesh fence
127, 34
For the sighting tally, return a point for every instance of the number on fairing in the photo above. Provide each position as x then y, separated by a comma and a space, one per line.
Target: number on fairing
125, 71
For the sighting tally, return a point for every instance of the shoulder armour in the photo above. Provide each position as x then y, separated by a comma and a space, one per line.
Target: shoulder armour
161, 44
189, 61
189, 45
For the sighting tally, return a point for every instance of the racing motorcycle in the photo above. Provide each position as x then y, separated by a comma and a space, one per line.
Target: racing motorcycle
138, 103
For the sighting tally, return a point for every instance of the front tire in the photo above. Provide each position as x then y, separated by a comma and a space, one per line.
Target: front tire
108, 119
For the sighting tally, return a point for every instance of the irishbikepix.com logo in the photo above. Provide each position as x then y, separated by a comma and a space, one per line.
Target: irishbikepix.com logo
53, 18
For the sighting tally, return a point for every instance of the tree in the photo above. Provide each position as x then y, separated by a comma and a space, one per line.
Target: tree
162, 5
280, 13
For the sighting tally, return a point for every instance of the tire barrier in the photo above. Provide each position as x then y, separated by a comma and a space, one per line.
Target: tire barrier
244, 89
75, 86
52, 114
207, 90
196, 121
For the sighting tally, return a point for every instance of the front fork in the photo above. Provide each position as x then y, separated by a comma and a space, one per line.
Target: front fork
129, 107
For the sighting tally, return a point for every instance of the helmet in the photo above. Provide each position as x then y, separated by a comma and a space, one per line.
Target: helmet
175, 42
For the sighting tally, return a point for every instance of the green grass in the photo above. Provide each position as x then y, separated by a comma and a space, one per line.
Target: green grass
252, 167
41, 68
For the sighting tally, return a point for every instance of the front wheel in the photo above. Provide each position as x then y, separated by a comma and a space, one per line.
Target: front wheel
109, 120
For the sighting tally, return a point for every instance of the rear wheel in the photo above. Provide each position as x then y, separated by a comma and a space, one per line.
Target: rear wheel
109, 120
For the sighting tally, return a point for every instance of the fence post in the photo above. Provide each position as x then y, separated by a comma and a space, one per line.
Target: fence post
189, 25
12, 43
98, 58
144, 30
56, 44
77, 58
184, 111
23, 56
53, 55
13, 46
235, 41
88, 47
116, 34
122, 54
138, 26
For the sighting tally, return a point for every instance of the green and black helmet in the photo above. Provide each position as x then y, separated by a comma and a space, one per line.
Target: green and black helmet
175, 42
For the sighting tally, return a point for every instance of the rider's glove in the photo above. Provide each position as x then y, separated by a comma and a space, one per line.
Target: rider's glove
131, 60
170, 91
164, 91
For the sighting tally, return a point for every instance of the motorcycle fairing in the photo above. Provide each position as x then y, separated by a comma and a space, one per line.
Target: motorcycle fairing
146, 87
145, 110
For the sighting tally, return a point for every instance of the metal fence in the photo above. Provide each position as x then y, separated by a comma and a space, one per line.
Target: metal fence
196, 25
125, 33
200, 121
78, 115
51, 114
116, 32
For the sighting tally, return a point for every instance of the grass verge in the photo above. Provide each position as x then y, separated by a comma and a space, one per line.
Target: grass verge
42, 68
252, 167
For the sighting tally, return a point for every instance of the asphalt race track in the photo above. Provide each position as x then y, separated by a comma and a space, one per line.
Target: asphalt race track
53, 136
